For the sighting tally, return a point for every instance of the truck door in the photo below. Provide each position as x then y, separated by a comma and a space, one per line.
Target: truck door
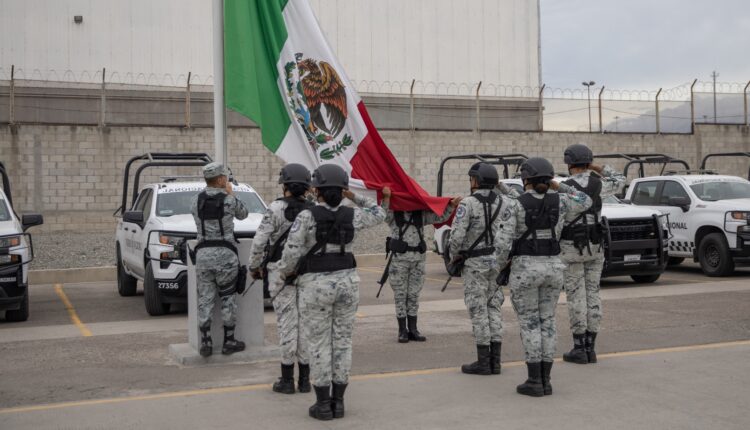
133, 234
682, 243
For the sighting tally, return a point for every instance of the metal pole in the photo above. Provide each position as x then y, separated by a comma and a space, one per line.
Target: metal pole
692, 106
744, 92
220, 115
187, 101
601, 128
588, 90
411, 104
479, 128
12, 108
658, 124
541, 107
103, 103
714, 75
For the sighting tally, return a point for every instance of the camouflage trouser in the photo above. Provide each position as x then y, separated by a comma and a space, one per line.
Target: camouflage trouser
535, 285
328, 306
406, 276
483, 298
291, 337
215, 268
582, 278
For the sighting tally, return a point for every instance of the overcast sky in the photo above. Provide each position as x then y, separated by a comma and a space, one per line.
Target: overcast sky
644, 44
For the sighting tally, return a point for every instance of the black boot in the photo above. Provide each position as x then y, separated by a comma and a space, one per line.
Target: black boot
482, 365
207, 346
321, 410
285, 384
337, 401
533, 385
590, 343
231, 345
303, 383
578, 353
546, 368
414, 333
495, 348
403, 333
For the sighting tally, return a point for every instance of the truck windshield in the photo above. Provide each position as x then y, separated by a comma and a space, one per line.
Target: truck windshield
4, 212
168, 204
714, 191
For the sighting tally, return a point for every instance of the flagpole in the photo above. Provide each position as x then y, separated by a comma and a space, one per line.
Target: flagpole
220, 113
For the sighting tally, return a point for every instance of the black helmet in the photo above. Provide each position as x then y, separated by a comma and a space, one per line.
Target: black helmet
578, 154
330, 175
486, 174
537, 167
294, 173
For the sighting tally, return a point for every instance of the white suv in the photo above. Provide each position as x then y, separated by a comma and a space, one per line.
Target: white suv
16, 252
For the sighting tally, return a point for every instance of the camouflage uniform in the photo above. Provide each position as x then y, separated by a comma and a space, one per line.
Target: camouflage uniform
536, 281
482, 295
216, 267
584, 270
328, 301
285, 305
406, 273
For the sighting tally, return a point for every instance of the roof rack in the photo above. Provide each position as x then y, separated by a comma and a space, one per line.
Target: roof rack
6, 183
690, 172
726, 154
504, 160
158, 159
173, 178
641, 159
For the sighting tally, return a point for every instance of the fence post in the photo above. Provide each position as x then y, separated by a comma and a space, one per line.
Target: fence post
103, 103
411, 104
187, 101
658, 124
479, 125
744, 92
11, 99
601, 128
692, 106
541, 107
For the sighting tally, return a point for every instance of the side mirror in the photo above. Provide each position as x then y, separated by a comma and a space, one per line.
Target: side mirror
136, 217
681, 202
31, 220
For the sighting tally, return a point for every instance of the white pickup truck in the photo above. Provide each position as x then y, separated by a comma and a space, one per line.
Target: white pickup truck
16, 252
635, 238
151, 236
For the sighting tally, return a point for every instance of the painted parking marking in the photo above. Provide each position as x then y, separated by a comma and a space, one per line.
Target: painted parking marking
72, 311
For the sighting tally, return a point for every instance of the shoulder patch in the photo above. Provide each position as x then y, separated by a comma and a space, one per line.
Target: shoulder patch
295, 226
505, 215
460, 211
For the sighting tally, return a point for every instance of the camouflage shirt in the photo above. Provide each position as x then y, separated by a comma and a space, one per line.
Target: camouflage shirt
411, 235
273, 225
612, 183
233, 208
469, 223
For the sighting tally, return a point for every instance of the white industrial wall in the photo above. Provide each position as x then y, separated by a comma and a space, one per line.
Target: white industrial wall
495, 41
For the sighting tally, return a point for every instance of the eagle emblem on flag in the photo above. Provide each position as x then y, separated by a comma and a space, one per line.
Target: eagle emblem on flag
317, 97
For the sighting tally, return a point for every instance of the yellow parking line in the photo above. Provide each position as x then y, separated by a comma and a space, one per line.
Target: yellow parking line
71, 311
366, 377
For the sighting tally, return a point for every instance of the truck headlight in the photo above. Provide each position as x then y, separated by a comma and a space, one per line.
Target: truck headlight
10, 259
738, 216
10, 241
170, 247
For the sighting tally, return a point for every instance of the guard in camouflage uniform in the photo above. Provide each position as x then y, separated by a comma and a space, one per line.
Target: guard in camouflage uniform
216, 260
318, 252
265, 253
533, 227
473, 241
406, 267
581, 244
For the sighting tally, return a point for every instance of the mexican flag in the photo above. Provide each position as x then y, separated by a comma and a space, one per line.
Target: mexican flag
282, 74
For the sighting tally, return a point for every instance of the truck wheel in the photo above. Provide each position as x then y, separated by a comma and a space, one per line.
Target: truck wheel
126, 285
154, 305
22, 313
675, 261
446, 247
645, 279
714, 256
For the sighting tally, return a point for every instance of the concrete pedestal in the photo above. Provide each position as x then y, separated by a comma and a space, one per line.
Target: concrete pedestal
249, 327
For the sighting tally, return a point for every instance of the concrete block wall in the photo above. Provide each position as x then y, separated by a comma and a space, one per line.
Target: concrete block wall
73, 174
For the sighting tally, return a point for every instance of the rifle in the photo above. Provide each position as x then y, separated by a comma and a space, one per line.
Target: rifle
386, 272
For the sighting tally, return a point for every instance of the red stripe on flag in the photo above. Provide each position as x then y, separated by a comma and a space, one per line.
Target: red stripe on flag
376, 166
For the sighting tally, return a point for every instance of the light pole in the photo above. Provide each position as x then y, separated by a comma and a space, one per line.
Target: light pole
588, 86
616, 120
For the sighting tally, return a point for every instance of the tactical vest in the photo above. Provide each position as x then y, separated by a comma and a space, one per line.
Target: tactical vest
487, 236
331, 228
399, 245
583, 233
294, 206
541, 214
211, 208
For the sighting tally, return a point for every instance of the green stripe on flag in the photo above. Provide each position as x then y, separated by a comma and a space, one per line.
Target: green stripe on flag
254, 34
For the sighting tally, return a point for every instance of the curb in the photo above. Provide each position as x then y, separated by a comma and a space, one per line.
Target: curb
109, 273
